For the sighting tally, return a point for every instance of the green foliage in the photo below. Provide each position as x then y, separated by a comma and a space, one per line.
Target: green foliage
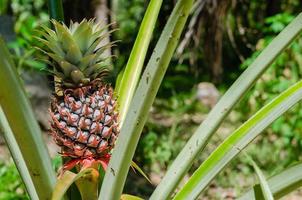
129, 16
11, 187
170, 124
277, 23
3, 6
57, 163
172, 119
28, 14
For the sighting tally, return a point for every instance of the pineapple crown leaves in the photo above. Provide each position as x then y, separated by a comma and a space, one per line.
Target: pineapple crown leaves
76, 51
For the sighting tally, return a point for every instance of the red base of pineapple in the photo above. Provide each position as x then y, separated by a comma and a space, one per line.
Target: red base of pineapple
84, 163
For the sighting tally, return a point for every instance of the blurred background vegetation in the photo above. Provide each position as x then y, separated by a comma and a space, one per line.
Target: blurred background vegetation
220, 40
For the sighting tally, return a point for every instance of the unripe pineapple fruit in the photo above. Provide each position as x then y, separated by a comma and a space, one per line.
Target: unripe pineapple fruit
84, 117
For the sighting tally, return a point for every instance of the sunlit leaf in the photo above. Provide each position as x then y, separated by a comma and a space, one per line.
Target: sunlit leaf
130, 197
141, 103
133, 69
86, 180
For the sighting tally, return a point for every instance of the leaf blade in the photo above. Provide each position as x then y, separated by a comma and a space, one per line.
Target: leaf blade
24, 126
238, 140
136, 167
16, 154
135, 62
88, 191
130, 131
209, 126
281, 183
130, 197
265, 190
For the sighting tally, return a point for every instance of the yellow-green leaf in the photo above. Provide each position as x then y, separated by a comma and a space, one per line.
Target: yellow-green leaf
130, 197
88, 175
136, 167
88, 185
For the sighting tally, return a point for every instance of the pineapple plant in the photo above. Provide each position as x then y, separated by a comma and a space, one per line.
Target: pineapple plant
84, 118
84, 102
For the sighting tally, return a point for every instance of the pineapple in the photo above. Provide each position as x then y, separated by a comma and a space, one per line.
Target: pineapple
83, 112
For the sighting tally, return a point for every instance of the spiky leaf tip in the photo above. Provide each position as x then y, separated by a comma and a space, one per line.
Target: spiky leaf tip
76, 51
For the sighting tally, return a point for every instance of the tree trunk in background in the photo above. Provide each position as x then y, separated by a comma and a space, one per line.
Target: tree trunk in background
114, 9
101, 14
214, 16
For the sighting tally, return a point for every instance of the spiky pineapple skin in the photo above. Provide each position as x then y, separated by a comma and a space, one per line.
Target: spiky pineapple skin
85, 121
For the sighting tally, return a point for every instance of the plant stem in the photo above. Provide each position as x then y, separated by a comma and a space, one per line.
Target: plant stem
26, 132
136, 60
55, 8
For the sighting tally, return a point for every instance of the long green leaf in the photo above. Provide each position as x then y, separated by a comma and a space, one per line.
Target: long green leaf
265, 191
17, 155
130, 197
27, 135
136, 60
281, 183
88, 185
86, 180
144, 96
238, 140
209, 126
